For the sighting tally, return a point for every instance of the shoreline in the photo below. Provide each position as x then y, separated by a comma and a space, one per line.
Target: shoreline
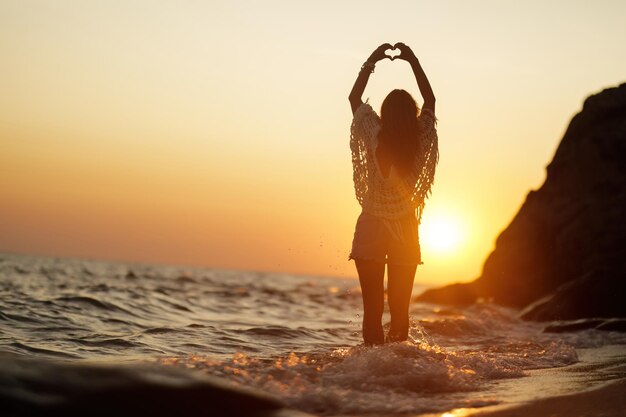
592, 387
607, 400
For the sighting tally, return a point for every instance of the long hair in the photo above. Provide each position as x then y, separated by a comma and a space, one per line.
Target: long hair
400, 131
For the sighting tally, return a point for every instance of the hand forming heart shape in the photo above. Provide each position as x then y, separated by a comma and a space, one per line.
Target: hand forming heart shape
395, 53
392, 52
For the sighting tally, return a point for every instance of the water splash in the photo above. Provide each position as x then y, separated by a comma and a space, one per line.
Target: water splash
398, 377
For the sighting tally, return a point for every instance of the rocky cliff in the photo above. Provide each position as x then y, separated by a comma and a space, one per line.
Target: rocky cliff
564, 254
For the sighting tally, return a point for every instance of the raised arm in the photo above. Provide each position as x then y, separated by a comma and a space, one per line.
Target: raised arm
356, 94
422, 82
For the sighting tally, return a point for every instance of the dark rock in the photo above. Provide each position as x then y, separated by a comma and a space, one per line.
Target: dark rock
597, 294
574, 225
454, 294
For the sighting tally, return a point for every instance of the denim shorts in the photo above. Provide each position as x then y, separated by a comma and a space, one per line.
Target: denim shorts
393, 242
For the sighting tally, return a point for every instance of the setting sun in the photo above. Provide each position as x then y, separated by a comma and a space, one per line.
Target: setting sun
441, 234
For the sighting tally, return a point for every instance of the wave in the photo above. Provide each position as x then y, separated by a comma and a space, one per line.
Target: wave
35, 387
277, 332
108, 343
92, 302
24, 348
161, 330
20, 318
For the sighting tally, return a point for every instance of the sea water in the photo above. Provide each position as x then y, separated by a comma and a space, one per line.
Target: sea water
294, 337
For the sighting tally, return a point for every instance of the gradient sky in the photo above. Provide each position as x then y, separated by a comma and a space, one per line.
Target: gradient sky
216, 133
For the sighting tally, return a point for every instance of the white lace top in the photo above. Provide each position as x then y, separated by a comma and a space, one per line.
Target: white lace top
393, 197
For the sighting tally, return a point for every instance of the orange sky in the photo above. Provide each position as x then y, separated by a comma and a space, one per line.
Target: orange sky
217, 133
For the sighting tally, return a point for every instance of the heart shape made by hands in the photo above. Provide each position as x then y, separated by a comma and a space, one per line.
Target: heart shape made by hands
392, 53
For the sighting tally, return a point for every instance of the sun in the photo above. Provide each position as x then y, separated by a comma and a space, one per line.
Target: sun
441, 234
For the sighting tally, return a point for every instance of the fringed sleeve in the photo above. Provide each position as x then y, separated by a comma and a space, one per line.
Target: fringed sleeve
362, 136
426, 162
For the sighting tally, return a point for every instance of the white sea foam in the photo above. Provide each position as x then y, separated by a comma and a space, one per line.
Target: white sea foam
405, 377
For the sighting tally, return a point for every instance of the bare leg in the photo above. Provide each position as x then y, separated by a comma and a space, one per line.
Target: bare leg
400, 286
372, 277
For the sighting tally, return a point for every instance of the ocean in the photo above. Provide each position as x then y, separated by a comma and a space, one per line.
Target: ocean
294, 338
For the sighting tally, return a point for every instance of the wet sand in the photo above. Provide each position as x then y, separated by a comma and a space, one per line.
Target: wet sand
607, 401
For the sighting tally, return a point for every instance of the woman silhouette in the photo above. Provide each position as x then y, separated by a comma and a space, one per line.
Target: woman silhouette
394, 158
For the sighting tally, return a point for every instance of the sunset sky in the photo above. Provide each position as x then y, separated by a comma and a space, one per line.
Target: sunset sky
216, 133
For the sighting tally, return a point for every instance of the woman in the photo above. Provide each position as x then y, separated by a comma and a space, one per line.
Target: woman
394, 158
